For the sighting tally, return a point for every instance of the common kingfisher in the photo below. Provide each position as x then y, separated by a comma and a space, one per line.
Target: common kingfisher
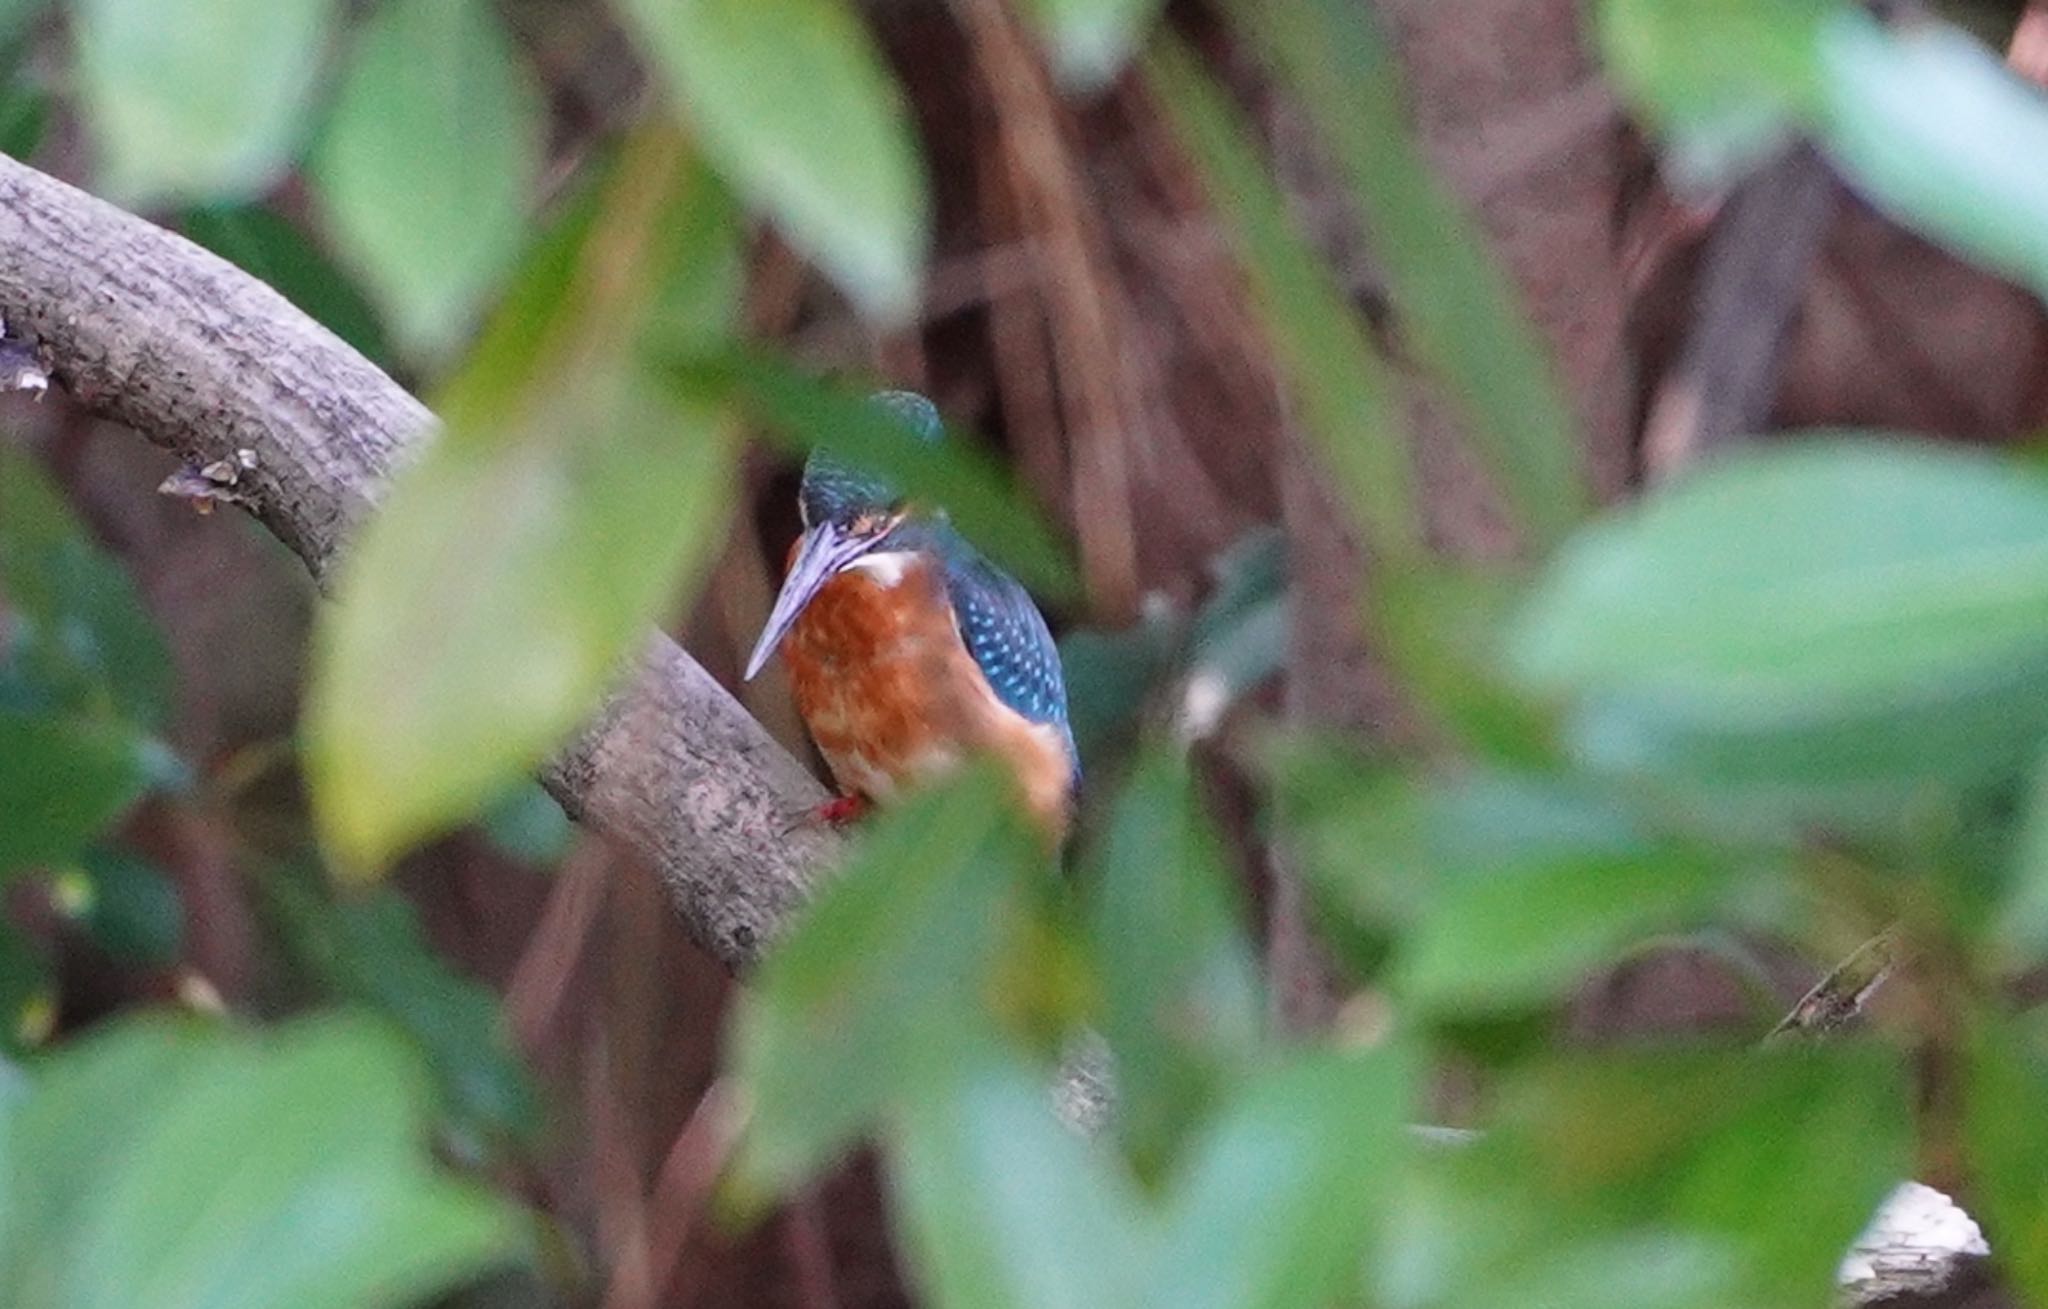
908, 651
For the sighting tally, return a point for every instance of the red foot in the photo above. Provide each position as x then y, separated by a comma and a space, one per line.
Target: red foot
841, 810
837, 812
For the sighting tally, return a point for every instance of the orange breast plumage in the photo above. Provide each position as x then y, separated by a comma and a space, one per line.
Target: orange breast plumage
893, 698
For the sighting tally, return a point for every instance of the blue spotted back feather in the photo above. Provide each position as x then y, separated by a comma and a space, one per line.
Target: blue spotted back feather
1001, 627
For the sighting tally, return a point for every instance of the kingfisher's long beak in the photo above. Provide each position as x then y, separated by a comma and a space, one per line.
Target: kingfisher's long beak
823, 551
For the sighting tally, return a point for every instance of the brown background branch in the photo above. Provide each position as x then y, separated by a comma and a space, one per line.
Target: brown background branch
1759, 267
146, 328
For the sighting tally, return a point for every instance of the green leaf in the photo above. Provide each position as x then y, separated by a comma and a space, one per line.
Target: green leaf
1251, 576
1474, 1231
87, 1106
260, 241
1727, 81
173, 1166
1183, 1004
1002, 1206
1936, 131
1509, 942
429, 161
1826, 630
63, 781
526, 824
15, 17
1706, 1146
197, 99
1500, 888
880, 979
89, 642
1279, 1202
982, 502
28, 1012
517, 563
1092, 40
794, 105
1385, 846
24, 113
1110, 675
1440, 625
1240, 638
1926, 123
1455, 304
2005, 1130
1349, 404
370, 951
129, 908
2018, 933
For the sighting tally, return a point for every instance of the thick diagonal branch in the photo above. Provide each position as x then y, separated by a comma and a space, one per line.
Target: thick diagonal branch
146, 328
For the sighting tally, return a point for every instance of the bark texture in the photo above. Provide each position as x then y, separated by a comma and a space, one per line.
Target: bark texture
146, 328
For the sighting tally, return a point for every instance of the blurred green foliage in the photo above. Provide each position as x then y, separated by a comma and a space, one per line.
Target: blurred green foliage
177, 1164
1924, 121
127, 907
370, 952
1733, 644
854, 1017
191, 99
492, 598
1457, 310
1182, 1002
1090, 40
1799, 690
434, 108
790, 99
84, 692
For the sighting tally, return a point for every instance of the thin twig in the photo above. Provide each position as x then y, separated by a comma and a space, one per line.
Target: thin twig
541, 978
681, 1189
1841, 997
1759, 262
810, 1252
1298, 976
2028, 53
1018, 349
1049, 192
622, 1211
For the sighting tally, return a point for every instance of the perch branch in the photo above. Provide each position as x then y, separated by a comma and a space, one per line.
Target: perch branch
146, 328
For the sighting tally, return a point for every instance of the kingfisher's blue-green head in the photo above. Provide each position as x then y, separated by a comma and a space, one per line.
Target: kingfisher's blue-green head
847, 513
835, 491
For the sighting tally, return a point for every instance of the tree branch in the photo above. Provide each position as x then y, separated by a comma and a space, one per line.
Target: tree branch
146, 328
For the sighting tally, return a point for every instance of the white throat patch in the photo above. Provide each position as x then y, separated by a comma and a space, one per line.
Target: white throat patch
887, 567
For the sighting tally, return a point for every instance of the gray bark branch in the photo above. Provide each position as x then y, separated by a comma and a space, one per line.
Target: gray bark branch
144, 327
